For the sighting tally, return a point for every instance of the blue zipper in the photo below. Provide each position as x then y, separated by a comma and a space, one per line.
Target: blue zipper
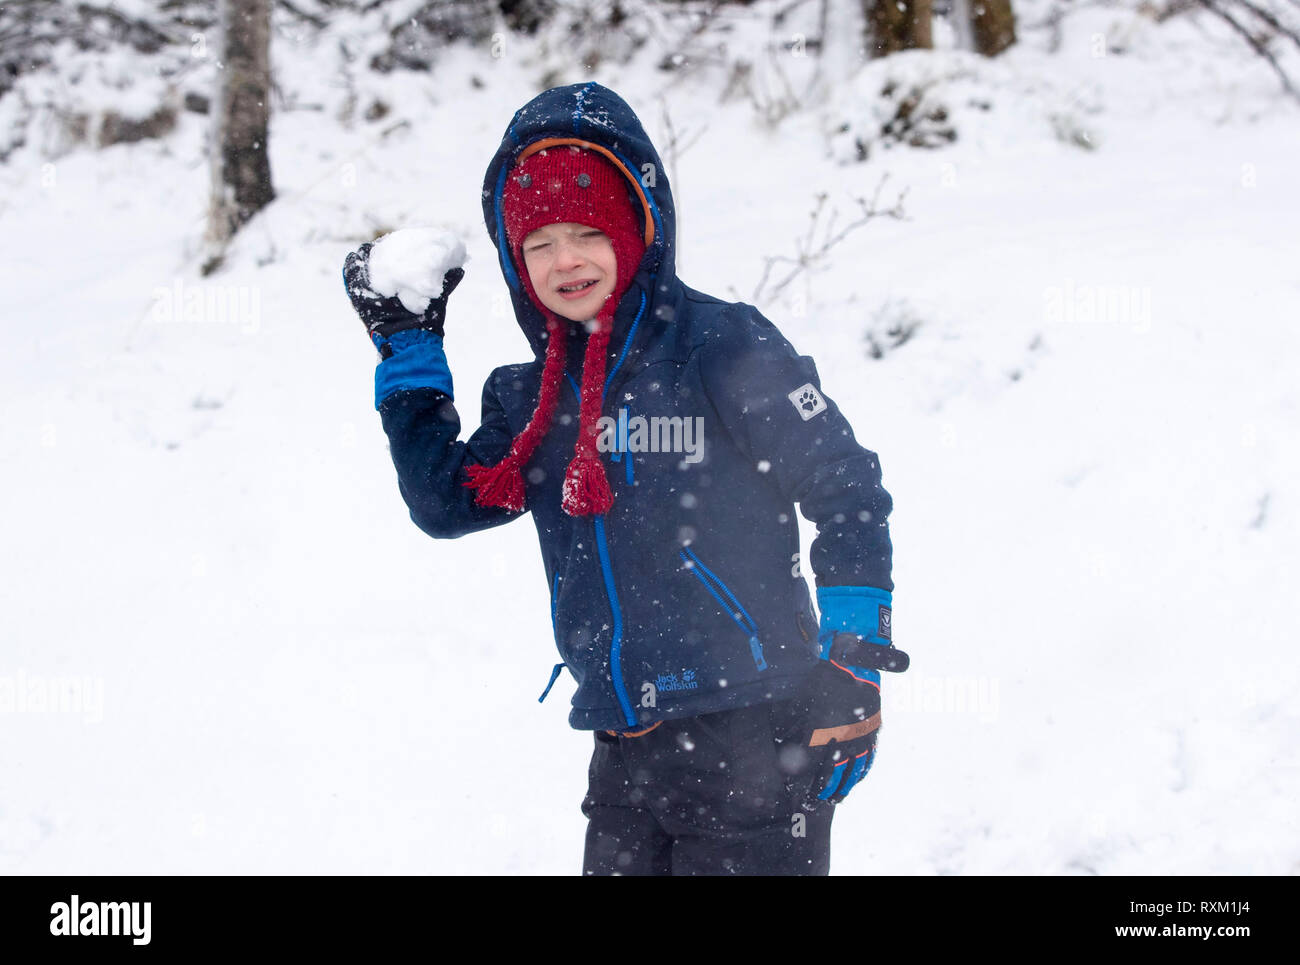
616, 645
606, 568
737, 612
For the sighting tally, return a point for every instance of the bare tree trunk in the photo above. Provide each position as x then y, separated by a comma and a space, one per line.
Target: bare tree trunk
921, 14
241, 171
894, 25
993, 26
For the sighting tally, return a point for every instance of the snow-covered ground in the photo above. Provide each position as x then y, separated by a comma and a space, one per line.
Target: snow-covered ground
1090, 437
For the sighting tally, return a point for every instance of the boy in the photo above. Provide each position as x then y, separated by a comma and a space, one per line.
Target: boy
660, 438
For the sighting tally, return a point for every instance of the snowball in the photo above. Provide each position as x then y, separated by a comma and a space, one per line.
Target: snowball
411, 263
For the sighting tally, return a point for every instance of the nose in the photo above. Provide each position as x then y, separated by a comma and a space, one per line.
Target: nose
567, 255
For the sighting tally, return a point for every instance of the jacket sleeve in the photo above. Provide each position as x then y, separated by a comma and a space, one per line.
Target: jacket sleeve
423, 429
769, 399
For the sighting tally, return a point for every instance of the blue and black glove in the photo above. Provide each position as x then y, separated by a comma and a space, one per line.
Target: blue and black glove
409, 344
836, 716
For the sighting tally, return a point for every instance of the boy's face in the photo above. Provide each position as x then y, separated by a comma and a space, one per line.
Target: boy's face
559, 256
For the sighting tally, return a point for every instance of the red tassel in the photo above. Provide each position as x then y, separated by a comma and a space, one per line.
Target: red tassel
586, 490
503, 484
499, 485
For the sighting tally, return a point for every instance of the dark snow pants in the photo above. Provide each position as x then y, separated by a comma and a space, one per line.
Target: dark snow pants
700, 796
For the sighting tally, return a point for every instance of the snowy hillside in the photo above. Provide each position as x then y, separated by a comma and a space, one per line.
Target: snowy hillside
1085, 404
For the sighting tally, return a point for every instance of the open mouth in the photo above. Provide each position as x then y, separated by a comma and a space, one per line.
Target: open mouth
576, 288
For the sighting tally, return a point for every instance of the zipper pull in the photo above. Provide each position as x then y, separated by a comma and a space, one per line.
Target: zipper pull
555, 673
620, 436
756, 649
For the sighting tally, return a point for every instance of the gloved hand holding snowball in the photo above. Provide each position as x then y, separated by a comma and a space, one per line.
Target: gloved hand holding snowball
402, 280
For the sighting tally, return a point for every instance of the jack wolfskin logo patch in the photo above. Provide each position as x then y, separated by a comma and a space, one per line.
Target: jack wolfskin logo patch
886, 630
807, 400
670, 681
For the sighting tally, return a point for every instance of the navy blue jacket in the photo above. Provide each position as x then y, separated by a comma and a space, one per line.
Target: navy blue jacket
687, 597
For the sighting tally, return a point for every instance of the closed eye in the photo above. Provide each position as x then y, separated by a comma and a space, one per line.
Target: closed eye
594, 233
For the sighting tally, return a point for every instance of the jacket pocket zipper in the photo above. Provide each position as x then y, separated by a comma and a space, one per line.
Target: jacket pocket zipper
730, 605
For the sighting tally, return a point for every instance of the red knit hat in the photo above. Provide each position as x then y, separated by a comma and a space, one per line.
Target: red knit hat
555, 185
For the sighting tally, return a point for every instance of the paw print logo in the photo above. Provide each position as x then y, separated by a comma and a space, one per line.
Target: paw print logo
807, 401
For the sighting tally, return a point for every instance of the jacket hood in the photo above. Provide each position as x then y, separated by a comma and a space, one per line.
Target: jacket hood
594, 117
